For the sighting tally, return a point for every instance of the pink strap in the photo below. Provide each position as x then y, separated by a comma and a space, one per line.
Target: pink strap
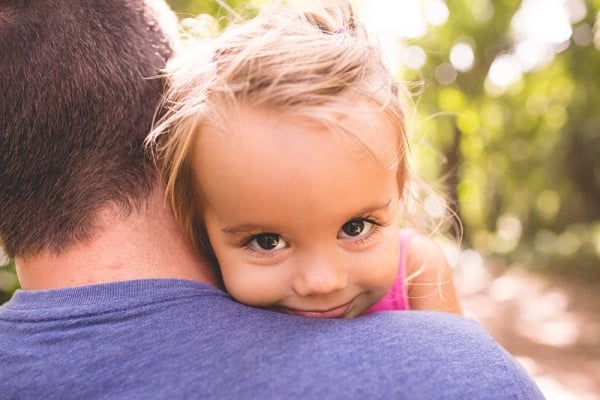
397, 297
405, 235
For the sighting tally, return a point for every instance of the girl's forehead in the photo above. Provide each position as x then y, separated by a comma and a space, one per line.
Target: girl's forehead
291, 164
360, 128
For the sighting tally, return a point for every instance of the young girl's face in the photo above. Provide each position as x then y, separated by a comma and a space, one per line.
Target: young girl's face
302, 220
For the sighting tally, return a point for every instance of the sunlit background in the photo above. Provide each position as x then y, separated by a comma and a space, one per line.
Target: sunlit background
507, 122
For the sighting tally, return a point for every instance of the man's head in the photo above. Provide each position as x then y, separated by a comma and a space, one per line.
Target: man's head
77, 98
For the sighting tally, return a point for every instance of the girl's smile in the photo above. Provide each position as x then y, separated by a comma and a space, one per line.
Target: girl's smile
335, 312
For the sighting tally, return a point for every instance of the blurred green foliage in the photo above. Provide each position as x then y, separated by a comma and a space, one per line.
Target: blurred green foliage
521, 161
524, 157
223, 11
8, 281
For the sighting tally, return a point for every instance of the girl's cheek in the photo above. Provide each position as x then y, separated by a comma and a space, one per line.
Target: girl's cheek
257, 286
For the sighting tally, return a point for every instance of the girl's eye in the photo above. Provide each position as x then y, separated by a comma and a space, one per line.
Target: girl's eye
267, 241
355, 228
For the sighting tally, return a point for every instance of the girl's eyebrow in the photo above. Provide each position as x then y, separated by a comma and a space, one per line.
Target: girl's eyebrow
249, 228
379, 206
245, 229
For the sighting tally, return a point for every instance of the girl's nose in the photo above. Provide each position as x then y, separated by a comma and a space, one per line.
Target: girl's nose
319, 276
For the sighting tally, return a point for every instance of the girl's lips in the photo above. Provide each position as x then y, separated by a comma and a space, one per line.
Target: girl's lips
337, 312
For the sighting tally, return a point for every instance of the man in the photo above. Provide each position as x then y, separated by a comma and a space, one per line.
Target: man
115, 304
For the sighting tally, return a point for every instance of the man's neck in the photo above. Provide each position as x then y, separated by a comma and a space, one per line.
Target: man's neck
144, 245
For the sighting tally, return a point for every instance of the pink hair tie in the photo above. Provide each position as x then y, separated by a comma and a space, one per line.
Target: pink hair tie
339, 30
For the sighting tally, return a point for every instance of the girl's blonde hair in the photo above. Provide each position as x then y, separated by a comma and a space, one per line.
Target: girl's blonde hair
318, 63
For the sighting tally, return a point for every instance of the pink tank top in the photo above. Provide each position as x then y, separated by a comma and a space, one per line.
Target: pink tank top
397, 297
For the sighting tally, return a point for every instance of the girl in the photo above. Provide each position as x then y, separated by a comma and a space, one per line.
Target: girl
283, 147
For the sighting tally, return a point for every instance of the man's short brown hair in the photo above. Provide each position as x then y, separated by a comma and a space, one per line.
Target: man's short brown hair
77, 96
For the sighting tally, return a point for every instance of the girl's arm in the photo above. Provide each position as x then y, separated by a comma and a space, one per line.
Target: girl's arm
429, 277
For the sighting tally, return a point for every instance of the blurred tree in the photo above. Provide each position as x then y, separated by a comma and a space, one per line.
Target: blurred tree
516, 119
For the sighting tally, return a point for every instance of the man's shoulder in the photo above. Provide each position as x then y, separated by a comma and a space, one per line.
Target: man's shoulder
180, 339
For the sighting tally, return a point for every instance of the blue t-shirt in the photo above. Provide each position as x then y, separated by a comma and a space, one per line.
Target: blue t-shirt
176, 339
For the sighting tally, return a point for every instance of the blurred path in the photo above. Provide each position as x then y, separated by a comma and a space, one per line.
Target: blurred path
550, 324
